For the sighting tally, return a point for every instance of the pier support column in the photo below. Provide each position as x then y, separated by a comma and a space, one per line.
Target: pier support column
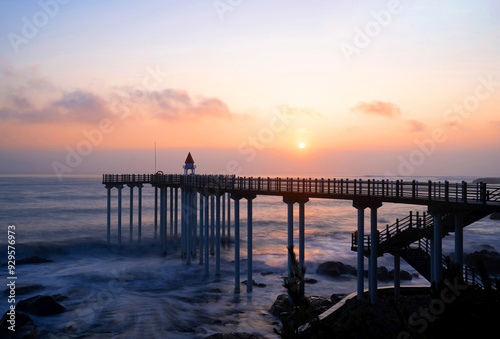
120, 187
207, 236
236, 242
108, 233
223, 214
228, 217
218, 239
360, 239
249, 242
194, 223
163, 226
372, 275
156, 212
162, 214
459, 241
183, 220
176, 209
289, 202
302, 238
437, 249
188, 224
131, 212
139, 213
172, 212
397, 278
202, 235
212, 225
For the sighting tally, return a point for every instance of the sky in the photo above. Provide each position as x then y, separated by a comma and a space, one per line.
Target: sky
389, 88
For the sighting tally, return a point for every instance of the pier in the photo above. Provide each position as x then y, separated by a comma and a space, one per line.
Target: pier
205, 220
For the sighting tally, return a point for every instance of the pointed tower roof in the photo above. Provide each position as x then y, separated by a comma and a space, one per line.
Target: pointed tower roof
189, 159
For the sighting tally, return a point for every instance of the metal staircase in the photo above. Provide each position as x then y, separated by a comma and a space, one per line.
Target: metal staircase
411, 236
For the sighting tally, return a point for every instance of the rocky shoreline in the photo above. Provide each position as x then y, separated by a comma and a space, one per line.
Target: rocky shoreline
337, 268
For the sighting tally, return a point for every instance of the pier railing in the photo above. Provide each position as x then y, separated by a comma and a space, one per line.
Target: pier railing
351, 188
470, 275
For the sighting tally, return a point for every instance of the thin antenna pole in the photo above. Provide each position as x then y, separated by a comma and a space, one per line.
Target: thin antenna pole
155, 157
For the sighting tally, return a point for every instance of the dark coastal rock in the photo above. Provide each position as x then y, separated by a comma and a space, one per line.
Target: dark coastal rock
405, 275
335, 268
320, 304
32, 260
281, 307
59, 296
495, 216
335, 298
264, 273
25, 289
310, 281
490, 259
383, 274
25, 328
233, 335
40, 305
254, 283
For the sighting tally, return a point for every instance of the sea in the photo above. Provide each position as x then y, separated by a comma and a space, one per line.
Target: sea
133, 291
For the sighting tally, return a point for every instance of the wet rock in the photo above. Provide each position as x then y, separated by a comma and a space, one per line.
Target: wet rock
59, 296
25, 328
319, 304
310, 281
335, 298
280, 305
490, 259
405, 275
383, 274
25, 289
254, 283
495, 216
233, 335
335, 268
264, 273
40, 305
32, 260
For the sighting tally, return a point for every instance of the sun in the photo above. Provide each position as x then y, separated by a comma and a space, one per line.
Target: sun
302, 145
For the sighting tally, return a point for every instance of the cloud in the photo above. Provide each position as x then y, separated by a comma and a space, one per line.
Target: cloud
416, 126
297, 112
82, 106
76, 106
172, 104
385, 109
28, 97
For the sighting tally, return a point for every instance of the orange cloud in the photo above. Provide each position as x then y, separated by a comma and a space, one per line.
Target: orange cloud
172, 104
416, 126
29, 98
385, 109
